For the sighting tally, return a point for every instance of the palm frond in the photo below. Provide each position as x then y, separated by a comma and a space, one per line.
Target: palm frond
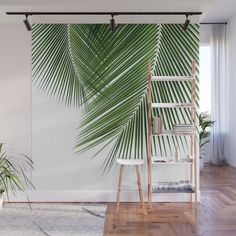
123, 79
12, 175
88, 63
205, 123
177, 51
54, 72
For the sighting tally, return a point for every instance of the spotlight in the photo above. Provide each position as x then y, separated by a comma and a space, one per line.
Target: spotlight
112, 24
186, 23
27, 23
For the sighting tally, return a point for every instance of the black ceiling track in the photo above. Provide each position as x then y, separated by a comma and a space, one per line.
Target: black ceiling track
103, 13
112, 14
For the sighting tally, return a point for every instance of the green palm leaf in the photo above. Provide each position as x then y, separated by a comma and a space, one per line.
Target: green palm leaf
54, 72
88, 63
122, 79
177, 51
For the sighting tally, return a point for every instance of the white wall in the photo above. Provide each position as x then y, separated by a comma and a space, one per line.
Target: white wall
15, 87
231, 65
205, 34
59, 174
76, 177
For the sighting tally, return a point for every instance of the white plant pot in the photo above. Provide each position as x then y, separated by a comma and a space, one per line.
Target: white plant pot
1, 201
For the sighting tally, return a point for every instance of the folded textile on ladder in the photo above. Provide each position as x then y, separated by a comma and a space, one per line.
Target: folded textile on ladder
183, 128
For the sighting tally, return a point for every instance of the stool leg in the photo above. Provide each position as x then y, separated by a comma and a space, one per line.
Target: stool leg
140, 187
119, 189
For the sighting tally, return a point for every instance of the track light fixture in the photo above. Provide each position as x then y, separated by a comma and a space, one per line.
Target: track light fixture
27, 23
112, 24
112, 14
186, 23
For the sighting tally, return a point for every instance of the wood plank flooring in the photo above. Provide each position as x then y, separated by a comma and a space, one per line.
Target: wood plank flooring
214, 216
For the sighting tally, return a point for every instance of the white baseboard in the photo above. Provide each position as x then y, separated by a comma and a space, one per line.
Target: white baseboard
96, 196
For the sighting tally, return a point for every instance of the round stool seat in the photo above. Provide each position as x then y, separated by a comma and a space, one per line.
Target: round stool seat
130, 162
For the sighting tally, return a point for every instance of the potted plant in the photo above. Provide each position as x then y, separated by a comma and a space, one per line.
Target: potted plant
13, 176
205, 123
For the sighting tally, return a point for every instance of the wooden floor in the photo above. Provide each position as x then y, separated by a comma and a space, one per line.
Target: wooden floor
214, 216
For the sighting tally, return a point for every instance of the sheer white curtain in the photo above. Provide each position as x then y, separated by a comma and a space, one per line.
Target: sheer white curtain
219, 101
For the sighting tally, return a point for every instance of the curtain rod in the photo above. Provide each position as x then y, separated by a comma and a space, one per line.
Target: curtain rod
213, 23
104, 13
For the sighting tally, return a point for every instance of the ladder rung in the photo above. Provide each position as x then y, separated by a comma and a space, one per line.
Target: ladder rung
173, 105
173, 78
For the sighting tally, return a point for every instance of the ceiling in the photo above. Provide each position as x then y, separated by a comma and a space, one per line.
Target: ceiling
221, 11
213, 10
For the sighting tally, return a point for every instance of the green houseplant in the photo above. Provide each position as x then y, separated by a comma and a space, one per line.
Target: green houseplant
205, 123
13, 176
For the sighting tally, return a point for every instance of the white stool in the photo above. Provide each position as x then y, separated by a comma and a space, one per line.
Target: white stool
130, 162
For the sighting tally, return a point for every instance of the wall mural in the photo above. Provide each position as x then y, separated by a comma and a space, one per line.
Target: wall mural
104, 74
